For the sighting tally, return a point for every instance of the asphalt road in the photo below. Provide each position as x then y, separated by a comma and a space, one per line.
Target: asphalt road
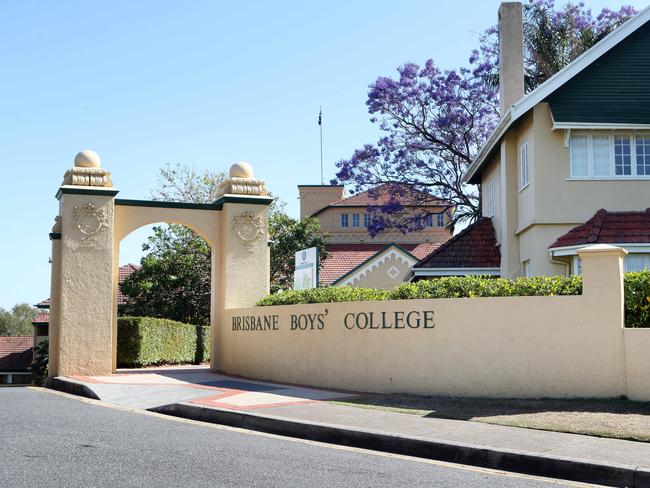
50, 440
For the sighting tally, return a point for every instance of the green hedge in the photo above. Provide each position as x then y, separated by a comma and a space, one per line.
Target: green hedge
637, 292
637, 299
147, 341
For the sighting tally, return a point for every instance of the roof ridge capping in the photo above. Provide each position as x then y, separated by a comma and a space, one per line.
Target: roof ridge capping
528, 101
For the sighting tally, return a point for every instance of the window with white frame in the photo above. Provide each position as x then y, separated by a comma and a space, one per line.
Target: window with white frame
637, 262
344, 220
366, 220
609, 155
440, 220
523, 166
489, 199
428, 221
355, 220
525, 269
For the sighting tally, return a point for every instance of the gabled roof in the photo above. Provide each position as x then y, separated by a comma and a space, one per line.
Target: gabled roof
16, 353
385, 194
344, 258
473, 247
609, 228
539, 94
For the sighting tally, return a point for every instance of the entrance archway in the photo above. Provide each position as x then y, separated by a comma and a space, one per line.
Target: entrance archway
85, 256
172, 281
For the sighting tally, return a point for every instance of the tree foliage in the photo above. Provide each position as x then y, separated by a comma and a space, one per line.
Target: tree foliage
288, 236
434, 121
173, 281
185, 183
18, 321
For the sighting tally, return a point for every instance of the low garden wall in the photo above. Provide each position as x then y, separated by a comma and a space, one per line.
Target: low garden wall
533, 346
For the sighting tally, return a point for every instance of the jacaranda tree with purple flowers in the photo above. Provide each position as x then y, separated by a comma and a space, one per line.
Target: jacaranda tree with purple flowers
435, 121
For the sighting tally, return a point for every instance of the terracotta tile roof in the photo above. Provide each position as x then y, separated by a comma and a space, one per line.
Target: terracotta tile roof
343, 258
15, 353
609, 228
473, 247
41, 318
386, 193
122, 274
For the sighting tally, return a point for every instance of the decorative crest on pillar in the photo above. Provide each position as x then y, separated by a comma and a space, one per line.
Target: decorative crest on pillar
87, 171
248, 228
242, 182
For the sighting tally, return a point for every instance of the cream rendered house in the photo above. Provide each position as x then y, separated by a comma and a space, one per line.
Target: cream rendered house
356, 258
577, 144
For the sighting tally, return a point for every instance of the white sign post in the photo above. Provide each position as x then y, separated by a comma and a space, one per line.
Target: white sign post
306, 272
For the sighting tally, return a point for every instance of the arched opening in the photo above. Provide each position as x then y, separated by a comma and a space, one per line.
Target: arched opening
162, 294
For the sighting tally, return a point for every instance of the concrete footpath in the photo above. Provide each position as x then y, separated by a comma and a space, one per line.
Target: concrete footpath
196, 393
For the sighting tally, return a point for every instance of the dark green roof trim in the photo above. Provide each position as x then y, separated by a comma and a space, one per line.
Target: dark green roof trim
361, 265
85, 190
217, 205
55, 235
320, 186
248, 199
162, 204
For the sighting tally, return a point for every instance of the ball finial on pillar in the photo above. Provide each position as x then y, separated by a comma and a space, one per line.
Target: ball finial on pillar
87, 159
241, 170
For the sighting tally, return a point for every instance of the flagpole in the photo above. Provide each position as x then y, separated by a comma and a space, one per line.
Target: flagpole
320, 125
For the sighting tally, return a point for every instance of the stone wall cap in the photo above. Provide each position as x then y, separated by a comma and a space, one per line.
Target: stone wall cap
602, 249
85, 190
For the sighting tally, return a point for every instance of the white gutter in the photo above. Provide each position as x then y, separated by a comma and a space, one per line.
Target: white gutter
633, 247
456, 271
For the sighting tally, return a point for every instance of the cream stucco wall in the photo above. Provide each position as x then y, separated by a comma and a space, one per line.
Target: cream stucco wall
491, 173
637, 362
534, 242
315, 197
512, 347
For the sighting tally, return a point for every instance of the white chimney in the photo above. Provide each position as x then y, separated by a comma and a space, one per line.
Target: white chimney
511, 54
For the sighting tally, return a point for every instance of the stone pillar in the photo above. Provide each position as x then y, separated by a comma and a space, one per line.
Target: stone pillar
602, 280
241, 260
602, 275
82, 271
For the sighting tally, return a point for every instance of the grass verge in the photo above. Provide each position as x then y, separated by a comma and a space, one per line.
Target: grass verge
615, 418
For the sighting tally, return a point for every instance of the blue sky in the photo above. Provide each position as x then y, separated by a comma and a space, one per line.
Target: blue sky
206, 83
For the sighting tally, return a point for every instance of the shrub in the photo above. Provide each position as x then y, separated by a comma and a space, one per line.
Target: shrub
324, 295
481, 286
40, 364
637, 292
637, 299
147, 341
